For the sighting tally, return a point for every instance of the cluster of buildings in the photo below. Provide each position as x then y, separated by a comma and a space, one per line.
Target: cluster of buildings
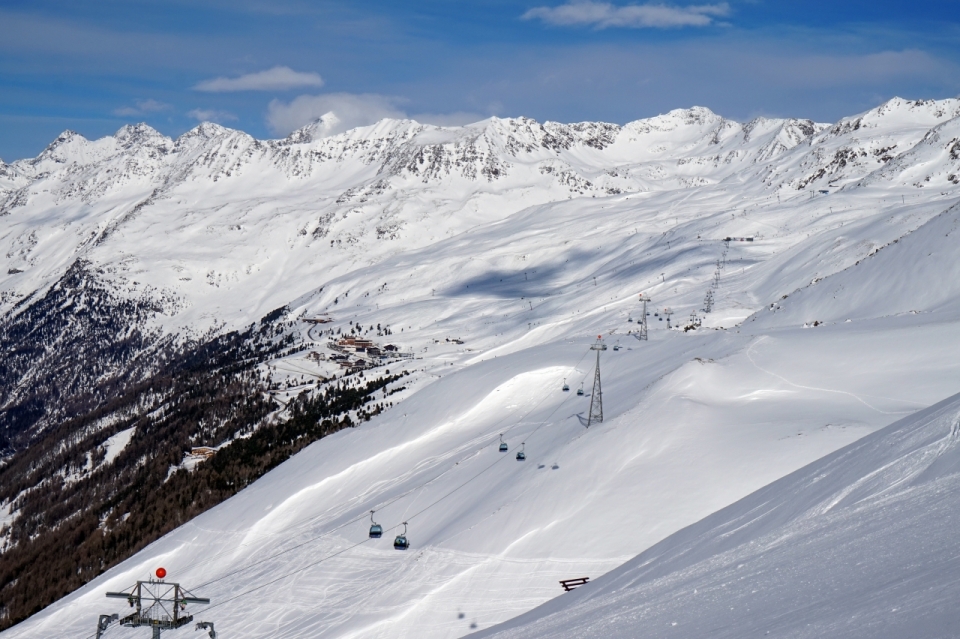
202, 452
364, 351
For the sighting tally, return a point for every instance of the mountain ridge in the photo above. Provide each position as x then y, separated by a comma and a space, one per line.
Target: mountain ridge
488, 257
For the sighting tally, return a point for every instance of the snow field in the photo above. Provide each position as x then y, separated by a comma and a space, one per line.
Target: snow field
678, 443
527, 279
858, 544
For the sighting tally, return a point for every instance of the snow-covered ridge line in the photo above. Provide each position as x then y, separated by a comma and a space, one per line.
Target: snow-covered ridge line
393, 143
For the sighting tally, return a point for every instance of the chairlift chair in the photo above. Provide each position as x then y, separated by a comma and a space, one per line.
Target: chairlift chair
376, 530
520, 454
503, 445
565, 387
401, 543
580, 390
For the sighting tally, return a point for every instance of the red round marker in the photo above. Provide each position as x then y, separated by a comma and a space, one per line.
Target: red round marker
161, 573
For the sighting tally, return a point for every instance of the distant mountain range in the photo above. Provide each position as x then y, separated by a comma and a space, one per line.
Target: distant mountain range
161, 294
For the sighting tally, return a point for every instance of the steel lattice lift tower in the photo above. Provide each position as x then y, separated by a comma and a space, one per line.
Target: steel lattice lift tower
159, 605
596, 397
643, 319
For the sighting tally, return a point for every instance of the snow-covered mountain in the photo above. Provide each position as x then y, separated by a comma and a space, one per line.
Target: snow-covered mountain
495, 253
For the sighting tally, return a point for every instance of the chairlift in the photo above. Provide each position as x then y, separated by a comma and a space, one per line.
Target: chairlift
376, 530
401, 543
580, 390
503, 445
616, 347
520, 454
565, 386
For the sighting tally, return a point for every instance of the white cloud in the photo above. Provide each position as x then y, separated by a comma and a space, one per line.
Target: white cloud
336, 112
211, 115
275, 79
603, 14
143, 107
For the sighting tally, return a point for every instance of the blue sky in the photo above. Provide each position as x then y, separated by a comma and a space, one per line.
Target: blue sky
267, 66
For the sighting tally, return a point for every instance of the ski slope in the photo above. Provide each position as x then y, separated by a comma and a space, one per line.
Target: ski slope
526, 272
861, 543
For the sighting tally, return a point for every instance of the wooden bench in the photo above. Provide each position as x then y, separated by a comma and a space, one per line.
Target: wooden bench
570, 584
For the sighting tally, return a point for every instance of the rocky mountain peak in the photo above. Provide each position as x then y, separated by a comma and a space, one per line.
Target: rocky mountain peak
142, 134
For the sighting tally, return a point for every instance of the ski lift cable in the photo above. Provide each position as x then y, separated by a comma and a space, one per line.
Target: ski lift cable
407, 517
379, 506
507, 430
343, 550
355, 520
361, 517
499, 459
312, 519
413, 489
547, 419
520, 421
339, 552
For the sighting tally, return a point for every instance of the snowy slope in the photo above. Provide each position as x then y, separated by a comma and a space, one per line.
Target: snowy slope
917, 273
861, 543
165, 213
523, 241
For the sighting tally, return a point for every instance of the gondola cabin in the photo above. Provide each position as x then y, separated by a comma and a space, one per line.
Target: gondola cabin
401, 543
376, 530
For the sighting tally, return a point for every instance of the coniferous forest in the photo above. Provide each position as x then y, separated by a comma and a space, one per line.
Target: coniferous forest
78, 515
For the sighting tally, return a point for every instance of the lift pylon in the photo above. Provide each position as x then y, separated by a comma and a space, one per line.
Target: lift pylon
596, 397
159, 605
643, 319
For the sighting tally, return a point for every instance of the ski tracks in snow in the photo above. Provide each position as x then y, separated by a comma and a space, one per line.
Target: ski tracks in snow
749, 354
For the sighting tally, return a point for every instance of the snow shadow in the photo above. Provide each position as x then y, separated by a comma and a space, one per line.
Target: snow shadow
536, 280
533, 282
